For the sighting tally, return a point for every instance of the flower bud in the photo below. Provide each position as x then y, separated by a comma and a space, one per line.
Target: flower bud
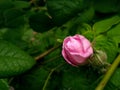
76, 50
99, 61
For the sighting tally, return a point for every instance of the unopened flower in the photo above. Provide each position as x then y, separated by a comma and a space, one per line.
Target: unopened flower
99, 61
76, 50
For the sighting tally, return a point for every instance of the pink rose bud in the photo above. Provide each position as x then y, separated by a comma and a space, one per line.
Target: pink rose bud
76, 50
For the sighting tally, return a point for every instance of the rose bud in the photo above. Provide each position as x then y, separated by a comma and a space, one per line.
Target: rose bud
76, 50
99, 61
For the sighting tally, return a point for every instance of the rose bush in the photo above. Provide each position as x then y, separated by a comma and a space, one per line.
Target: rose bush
76, 50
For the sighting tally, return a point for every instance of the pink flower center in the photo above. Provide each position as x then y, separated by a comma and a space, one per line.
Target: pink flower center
75, 46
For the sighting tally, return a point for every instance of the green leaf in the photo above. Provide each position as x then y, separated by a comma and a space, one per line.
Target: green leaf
1, 19
78, 82
14, 35
107, 45
78, 78
40, 22
114, 82
54, 81
86, 30
13, 61
5, 4
106, 6
114, 33
63, 10
33, 80
21, 4
87, 15
104, 25
110, 86
14, 17
3, 85
115, 79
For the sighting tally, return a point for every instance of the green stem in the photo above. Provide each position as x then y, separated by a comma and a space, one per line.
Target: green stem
46, 52
46, 82
48, 78
108, 74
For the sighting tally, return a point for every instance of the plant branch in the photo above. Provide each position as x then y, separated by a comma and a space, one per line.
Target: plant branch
46, 52
108, 74
51, 72
46, 82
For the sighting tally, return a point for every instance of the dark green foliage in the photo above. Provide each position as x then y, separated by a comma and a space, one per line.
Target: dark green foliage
103, 43
78, 78
12, 13
115, 79
4, 85
107, 6
40, 22
13, 61
4, 5
115, 33
36, 26
105, 25
63, 10
14, 17
33, 80
21, 4
114, 82
87, 15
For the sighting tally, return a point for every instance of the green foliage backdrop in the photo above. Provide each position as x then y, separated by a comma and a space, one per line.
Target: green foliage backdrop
31, 32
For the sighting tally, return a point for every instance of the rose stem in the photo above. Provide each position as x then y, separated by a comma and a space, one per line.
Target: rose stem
46, 52
108, 74
49, 75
